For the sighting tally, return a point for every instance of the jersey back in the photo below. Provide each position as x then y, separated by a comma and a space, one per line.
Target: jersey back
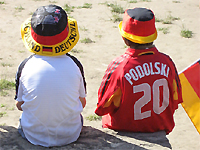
150, 90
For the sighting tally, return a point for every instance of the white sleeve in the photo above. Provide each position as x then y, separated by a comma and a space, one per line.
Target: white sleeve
82, 91
20, 92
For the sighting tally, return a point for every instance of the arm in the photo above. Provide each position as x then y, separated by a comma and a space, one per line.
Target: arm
83, 101
109, 93
19, 104
18, 97
78, 63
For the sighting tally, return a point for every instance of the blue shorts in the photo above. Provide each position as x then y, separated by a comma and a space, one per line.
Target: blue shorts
21, 132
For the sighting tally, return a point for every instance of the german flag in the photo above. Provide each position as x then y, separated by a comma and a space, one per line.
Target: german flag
190, 82
47, 50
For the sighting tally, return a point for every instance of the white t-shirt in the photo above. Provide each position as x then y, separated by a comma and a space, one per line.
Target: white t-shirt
50, 88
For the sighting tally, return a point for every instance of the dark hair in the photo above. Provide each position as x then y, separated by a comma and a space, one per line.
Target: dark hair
137, 44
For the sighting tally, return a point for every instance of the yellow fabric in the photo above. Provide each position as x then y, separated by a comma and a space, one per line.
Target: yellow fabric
148, 52
115, 98
175, 93
137, 39
191, 102
59, 49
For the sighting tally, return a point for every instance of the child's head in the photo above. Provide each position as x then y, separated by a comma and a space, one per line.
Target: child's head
137, 45
138, 27
49, 31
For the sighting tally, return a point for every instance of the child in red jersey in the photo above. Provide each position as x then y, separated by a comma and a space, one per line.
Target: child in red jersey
140, 89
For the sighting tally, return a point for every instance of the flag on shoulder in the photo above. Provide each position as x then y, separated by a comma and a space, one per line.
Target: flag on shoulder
190, 82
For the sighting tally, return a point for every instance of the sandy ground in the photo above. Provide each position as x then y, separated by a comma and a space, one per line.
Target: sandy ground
97, 24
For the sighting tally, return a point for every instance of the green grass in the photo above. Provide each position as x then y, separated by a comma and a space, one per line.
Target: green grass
116, 8
2, 31
176, 1
2, 105
12, 108
93, 117
20, 8
3, 124
83, 29
132, 1
76, 50
52, 1
186, 33
86, 40
6, 65
30, 13
145, 0
5, 84
164, 30
3, 93
2, 114
158, 19
99, 36
2, 2
105, 3
85, 5
116, 18
68, 8
169, 19
21, 51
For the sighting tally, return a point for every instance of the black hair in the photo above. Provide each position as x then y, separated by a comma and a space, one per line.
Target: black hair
137, 44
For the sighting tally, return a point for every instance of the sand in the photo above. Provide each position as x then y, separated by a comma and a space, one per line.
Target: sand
96, 23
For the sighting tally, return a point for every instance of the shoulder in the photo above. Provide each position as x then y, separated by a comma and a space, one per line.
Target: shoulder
75, 60
168, 60
22, 64
166, 56
116, 62
116, 66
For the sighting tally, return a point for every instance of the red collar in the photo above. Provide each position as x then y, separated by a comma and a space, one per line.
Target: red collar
139, 52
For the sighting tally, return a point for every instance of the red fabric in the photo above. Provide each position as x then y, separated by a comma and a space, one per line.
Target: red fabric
138, 28
124, 116
192, 74
50, 40
47, 49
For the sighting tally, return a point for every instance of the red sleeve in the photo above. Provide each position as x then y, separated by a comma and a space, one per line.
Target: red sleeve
176, 85
179, 89
109, 86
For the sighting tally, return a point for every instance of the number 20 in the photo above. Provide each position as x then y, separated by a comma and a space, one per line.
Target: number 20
146, 98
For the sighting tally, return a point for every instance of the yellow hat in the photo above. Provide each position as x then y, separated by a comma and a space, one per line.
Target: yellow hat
49, 32
138, 25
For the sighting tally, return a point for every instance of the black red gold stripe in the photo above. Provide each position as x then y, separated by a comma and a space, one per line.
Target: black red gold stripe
50, 40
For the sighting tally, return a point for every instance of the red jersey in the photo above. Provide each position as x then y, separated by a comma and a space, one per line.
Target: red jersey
139, 92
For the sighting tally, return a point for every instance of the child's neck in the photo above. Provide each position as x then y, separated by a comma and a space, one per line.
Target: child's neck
142, 47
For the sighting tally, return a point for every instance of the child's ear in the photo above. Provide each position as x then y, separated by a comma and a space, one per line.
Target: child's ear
126, 41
